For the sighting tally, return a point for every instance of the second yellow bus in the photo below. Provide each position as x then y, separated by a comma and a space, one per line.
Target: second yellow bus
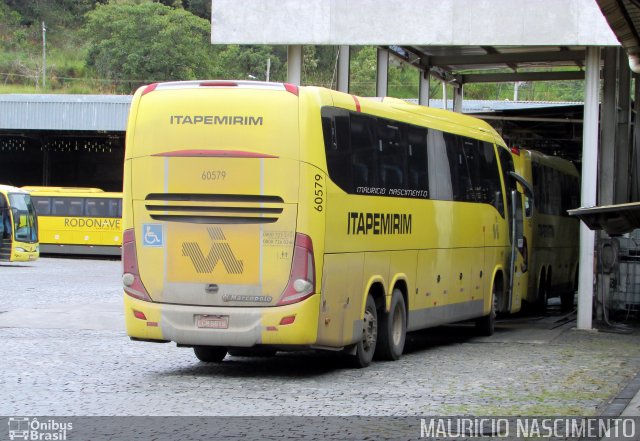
77, 220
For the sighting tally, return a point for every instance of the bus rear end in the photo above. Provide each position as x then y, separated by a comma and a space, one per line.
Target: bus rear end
211, 253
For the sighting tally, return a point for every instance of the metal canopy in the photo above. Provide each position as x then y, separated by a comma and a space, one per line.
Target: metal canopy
614, 219
623, 17
482, 64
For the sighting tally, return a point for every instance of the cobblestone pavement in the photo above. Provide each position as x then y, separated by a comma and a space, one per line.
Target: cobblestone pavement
64, 352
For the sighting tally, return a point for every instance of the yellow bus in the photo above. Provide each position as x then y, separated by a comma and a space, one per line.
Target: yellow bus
274, 216
552, 236
75, 220
18, 226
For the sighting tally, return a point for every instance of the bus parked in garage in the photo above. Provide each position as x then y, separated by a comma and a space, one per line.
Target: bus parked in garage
77, 220
552, 236
18, 226
264, 214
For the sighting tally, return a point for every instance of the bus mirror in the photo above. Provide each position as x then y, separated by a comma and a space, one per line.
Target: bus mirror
528, 189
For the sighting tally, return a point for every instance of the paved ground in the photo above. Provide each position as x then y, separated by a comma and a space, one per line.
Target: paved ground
64, 352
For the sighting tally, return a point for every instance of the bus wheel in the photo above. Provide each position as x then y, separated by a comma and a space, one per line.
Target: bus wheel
210, 354
366, 347
393, 329
486, 325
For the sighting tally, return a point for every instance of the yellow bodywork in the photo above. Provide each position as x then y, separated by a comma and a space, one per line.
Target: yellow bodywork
13, 246
77, 230
553, 239
268, 182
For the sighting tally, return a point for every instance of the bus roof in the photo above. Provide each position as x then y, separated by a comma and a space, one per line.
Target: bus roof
10, 189
71, 192
555, 162
388, 107
63, 189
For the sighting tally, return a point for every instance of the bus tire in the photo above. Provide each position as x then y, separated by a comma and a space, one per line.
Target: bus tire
485, 325
366, 346
392, 331
210, 354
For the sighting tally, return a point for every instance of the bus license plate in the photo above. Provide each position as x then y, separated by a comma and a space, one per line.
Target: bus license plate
212, 321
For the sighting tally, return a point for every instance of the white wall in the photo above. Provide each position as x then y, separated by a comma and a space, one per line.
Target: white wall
410, 22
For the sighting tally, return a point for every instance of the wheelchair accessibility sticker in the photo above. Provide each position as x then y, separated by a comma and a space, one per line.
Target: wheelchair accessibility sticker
152, 235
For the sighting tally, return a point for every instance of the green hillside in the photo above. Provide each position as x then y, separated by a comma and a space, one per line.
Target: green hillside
114, 46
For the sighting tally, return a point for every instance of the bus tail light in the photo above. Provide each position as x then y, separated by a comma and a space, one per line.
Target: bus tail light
130, 275
302, 280
291, 88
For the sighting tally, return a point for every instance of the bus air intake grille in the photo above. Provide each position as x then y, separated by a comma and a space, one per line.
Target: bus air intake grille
201, 197
213, 219
199, 208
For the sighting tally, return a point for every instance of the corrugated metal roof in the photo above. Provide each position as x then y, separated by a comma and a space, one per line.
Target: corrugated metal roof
110, 112
64, 112
474, 106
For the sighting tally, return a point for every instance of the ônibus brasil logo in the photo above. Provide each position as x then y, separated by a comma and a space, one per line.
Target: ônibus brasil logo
33, 429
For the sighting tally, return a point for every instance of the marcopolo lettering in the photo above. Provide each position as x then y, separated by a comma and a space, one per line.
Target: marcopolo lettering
216, 120
378, 223
88, 222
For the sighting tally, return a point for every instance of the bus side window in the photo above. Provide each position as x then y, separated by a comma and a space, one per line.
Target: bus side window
528, 207
335, 130
97, 207
115, 208
483, 168
459, 166
76, 207
417, 159
42, 205
439, 172
391, 154
58, 207
64, 206
363, 151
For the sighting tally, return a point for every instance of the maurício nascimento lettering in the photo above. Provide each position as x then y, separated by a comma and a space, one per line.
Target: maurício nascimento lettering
216, 120
378, 223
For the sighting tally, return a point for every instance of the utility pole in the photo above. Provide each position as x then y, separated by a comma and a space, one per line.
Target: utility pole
44, 56
268, 69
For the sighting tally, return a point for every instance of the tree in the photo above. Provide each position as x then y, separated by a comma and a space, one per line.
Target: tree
134, 44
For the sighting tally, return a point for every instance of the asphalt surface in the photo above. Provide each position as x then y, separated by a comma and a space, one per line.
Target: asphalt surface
65, 353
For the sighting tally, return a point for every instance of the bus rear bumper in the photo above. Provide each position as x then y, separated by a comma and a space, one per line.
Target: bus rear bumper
246, 327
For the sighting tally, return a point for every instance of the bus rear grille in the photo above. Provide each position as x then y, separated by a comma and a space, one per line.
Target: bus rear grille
213, 208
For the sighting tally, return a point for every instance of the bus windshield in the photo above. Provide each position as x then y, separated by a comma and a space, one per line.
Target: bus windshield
24, 218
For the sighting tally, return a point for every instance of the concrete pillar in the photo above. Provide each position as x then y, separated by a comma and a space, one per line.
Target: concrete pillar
635, 149
623, 147
589, 188
343, 68
608, 125
382, 72
423, 88
458, 93
294, 64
